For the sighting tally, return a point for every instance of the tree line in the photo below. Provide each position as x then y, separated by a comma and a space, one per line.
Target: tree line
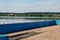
33, 14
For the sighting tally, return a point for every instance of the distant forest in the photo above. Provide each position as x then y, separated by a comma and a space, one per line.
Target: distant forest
33, 14
48, 15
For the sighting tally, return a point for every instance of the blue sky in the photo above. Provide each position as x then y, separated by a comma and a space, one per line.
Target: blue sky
29, 5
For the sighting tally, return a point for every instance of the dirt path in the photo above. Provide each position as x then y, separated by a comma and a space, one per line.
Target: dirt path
47, 33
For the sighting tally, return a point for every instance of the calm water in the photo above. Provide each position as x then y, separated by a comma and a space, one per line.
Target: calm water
9, 21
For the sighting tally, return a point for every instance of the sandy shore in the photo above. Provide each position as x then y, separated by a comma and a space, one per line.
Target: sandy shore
46, 33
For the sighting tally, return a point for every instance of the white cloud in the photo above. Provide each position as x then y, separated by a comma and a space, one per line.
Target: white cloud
39, 6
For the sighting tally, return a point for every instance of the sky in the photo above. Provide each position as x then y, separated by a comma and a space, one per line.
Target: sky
29, 6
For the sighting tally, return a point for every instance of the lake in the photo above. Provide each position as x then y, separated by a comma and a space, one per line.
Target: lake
9, 21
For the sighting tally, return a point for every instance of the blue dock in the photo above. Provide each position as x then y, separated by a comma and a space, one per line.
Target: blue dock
10, 28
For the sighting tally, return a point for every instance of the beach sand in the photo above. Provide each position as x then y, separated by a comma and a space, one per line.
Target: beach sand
46, 33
